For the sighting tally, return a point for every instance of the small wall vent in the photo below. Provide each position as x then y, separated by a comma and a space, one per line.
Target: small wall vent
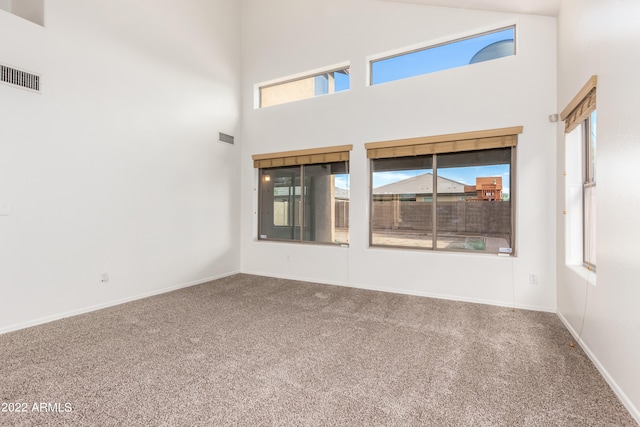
19, 78
223, 137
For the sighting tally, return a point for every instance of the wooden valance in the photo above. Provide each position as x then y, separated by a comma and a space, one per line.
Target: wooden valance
302, 157
581, 106
450, 143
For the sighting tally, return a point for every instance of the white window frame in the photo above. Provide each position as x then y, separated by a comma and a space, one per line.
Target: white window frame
408, 50
589, 244
580, 186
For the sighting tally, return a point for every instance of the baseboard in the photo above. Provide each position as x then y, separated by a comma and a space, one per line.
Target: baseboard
292, 277
635, 413
89, 309
406, 292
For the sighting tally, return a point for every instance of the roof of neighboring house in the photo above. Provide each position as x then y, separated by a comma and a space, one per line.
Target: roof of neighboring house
421, 184
341, 193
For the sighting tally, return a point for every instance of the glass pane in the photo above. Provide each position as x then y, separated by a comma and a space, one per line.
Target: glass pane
589, 193
280, 203
306, 87
321, 84
326, 203
590, 225
342, 79
473, 201
342, 202
591, 149
454, 54
402, 202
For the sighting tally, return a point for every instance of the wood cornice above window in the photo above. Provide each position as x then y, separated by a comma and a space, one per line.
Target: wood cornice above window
450, 143
302, 157
581, 106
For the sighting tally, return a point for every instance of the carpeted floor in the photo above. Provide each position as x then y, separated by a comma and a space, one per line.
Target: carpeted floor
249, 351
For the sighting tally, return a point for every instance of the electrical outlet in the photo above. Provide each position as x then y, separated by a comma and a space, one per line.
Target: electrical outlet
533, 279
104, 278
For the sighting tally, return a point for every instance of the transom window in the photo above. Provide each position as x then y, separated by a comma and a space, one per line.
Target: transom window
290, 90
457, 53
451, 192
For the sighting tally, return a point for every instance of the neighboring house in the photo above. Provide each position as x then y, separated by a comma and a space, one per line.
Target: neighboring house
488, 189
341, 193
295, 90
401, 206
420, 189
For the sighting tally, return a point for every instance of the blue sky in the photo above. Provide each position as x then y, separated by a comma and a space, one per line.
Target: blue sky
443, 57
342, 81
342, 181
451, 55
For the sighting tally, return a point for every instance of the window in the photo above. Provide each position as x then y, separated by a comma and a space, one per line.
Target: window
290, 90
589, 191
304, 195
469, 50
449, 192
580, 128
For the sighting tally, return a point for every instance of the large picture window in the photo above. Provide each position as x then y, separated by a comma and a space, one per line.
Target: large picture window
450, 192
304, 195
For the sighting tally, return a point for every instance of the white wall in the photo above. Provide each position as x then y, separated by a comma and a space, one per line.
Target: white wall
32, 10
284, 37
603, 38
5, 5
116, 167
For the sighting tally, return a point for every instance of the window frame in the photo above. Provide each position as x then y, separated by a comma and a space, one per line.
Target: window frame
425, 47
588, 185
340, 68
448, 144
578, 113
299, 159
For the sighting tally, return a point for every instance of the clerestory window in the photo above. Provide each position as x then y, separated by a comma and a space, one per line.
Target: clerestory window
309, 86
456, 53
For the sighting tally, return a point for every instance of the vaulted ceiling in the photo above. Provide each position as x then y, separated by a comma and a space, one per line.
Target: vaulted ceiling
536, 7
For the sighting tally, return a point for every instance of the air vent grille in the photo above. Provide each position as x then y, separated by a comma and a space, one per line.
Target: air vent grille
19, 78
225, 138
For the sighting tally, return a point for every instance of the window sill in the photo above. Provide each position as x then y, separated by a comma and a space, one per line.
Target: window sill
303, 242
442, 251
584, 273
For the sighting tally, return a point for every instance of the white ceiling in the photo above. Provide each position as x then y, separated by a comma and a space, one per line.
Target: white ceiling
536, 7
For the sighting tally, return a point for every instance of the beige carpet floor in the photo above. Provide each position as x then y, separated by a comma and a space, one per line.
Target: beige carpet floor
253, 351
